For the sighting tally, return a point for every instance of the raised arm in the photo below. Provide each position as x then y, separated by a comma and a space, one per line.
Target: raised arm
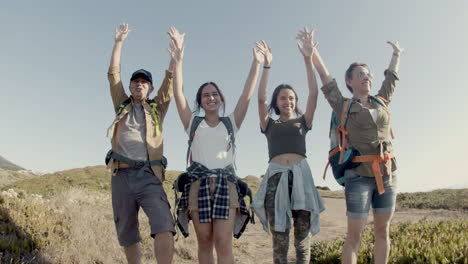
113, 75
395, 61
262, 89
177, 54
319, 65
249, 86
121, 34
388, 85
165, 91
307, 49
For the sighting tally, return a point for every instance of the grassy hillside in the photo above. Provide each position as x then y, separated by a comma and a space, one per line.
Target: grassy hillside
72, 208
10, 176
449, 199
95, 178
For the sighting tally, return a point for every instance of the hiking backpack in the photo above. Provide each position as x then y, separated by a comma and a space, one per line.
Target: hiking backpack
340, 157
182, 179
154, 114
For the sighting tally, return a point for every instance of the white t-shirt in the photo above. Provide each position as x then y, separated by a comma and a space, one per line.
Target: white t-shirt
210, 145
374, 113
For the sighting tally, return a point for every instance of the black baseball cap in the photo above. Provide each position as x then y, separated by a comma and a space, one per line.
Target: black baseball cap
143, 74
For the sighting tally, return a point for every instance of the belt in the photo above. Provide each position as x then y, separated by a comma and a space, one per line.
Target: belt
376, 160
130, 163
123, 165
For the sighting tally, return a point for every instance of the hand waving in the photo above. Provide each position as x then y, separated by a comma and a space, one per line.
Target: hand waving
121, 33
176, 47
306, 45
396, 47
257, 55
265, 50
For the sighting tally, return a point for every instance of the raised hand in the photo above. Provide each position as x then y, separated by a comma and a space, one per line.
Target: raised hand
265, 50
306, 44
176, 47
121, 33
176, 54
258, 55
395, 61
396, 47
177, 37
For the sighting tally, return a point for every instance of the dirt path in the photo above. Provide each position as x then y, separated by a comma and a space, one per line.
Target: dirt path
254, 247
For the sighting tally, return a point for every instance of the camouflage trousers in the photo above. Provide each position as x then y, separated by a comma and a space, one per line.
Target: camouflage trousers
301, 227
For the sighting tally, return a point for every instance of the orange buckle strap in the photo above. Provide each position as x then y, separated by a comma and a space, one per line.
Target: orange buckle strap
333, 152
341, 131
376, 160
325, 171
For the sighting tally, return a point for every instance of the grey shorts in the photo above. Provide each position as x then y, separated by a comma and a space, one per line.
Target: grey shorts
129, 193
361, 192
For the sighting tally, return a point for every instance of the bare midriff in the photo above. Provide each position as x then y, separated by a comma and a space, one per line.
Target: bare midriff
287, 159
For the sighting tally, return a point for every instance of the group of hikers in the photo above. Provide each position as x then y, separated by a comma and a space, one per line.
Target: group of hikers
211, 194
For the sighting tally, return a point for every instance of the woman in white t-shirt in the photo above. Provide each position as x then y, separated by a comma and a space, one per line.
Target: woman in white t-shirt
212, 196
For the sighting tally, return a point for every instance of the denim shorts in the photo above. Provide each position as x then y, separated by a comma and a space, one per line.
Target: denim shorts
361, 192
132, 191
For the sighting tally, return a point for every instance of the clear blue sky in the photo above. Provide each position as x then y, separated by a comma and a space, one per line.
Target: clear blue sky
55, 54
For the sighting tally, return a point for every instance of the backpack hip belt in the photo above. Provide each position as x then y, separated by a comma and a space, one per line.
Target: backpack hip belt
376, 160
141, 164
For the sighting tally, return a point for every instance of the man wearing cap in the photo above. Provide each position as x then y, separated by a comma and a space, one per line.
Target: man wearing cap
136, 159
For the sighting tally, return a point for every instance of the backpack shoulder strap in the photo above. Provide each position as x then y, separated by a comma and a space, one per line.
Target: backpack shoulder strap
380, 100
339, 118
154, 115
342, 133
195, 123
230, 129
228, 124
123, 105
345, 112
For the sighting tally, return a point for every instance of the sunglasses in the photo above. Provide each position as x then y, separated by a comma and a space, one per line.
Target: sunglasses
364, 74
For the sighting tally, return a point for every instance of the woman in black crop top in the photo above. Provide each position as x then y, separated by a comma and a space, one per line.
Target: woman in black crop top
287, 187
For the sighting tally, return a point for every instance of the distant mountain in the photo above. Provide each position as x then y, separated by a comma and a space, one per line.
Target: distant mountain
9, 176
8, 165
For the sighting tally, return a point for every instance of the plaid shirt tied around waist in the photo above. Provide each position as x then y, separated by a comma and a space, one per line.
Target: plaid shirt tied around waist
220, 207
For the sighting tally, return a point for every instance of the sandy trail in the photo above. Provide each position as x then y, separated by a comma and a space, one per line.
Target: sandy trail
255, 246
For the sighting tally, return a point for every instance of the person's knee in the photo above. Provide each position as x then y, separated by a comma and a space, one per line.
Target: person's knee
354, 237
223, 244
205, 240
382, 231
133, 253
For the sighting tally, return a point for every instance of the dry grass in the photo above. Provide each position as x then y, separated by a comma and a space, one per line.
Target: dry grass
77, 226
66, 217
10, 176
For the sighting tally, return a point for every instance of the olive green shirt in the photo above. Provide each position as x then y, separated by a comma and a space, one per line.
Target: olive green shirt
369, 137
154, 142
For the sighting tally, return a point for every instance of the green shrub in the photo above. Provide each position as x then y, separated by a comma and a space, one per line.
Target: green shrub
421, 242
439, 199
27, 224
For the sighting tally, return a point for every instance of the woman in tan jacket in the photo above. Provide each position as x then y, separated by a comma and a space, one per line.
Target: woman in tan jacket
373, 182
